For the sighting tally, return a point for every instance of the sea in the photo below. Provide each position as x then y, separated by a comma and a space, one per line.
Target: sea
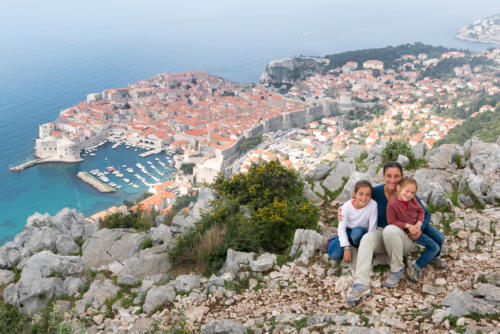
55, 52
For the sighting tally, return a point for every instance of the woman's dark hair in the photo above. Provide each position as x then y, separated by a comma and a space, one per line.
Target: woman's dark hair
361, 184
393, 164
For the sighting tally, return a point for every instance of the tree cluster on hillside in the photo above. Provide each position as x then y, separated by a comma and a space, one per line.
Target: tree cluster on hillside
467, 109
254, 212
443, 70
250, 143
486, 126
388, 55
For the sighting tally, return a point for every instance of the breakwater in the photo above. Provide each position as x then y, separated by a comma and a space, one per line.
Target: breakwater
89, 179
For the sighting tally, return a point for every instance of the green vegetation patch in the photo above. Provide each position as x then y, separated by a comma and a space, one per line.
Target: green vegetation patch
49, 321
187, 168
486, 126
394, 148
389, 55
254, 212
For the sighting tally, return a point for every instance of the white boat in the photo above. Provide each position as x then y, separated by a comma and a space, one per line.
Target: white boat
126, 180
92, 154
124, 166
118, 187
135, 185
130, 170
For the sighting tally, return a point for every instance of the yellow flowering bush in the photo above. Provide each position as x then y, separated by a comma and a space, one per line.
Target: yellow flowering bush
258, 211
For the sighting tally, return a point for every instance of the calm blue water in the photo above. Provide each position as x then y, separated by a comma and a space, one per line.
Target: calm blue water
53, 53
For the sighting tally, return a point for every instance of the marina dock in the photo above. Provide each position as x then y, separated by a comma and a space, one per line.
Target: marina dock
148, 153
89, 179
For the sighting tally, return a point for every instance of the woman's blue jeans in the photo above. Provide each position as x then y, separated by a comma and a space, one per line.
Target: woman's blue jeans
354, 235
432, 239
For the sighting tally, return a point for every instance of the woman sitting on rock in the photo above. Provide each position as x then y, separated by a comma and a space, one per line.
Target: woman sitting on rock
386, 239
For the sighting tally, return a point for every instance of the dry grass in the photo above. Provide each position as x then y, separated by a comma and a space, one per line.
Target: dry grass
203, 244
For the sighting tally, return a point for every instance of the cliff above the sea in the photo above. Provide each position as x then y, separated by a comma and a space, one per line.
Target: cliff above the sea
486, 30
117, 280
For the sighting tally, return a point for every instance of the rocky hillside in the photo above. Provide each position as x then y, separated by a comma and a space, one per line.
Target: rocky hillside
285, 72
121, 280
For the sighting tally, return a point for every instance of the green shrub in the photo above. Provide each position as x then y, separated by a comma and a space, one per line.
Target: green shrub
256, 212
139, 220
146, 243
457, 158
49, 321
394, 148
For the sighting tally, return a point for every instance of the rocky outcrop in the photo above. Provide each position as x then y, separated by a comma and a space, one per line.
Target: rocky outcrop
481, 178
236, 261
60, 234
111, 245
100, 290
445, 157
223, 327
182, 222
286, 71
305, 244
147, 262
158, 296
45, 276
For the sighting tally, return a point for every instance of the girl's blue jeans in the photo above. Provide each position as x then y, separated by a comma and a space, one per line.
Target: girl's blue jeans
354, 235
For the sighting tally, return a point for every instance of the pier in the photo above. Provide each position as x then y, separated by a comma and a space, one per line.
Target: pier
89, 179
25, 165
148, 153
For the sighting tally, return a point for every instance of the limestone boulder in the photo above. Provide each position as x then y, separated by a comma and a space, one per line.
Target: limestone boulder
11, 254
319, 172
443, 157
311, 195
344, 169
403, 160
461, 303
349, 186
44, 276
223, 327
353, 152
162, 235
236, 261
146, 263
263, 263
419, 150
306, 243
374, 157
185, 283
158, 296
182, 222
6, 276
109, 245
429, 191
96, 295
333, 182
